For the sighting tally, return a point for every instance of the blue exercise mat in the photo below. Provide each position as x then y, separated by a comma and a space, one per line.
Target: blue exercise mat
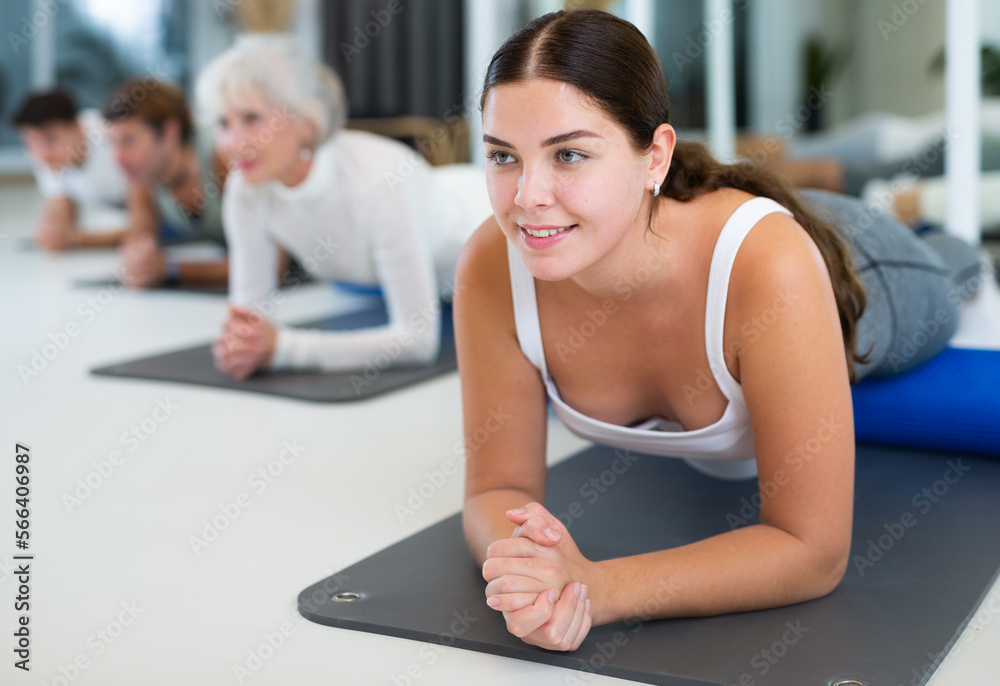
951, 402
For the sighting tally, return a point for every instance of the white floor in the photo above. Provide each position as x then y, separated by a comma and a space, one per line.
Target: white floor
119, 595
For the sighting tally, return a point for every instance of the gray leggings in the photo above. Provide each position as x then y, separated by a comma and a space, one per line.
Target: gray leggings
913, 296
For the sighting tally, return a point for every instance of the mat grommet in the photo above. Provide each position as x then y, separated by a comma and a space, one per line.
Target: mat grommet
351, 596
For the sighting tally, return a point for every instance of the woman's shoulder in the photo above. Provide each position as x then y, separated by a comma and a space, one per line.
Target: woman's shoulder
484, 306
482, 264
773, 237
776, 256
374, 147
777, 242
369, 163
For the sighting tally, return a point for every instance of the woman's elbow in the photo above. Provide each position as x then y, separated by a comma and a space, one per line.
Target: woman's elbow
429, 357
830, 567
421, 346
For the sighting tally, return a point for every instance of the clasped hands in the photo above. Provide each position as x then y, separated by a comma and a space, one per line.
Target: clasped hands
537, 578
247, 343
143, 262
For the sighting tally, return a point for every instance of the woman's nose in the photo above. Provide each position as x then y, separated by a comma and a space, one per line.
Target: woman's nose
534, 188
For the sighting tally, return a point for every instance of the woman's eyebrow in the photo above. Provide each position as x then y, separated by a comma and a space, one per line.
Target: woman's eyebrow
555, 140
563, 137
496, 141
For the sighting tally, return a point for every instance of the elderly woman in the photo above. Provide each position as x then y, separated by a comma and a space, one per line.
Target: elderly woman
349, 206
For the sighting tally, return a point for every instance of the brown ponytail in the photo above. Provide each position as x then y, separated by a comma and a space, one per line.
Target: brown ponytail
693, 172
612, 63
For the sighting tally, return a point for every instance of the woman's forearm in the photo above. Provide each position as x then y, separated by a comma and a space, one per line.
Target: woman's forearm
412, 341
750, 568
484, 518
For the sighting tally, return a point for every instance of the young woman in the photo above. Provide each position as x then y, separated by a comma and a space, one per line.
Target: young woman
176, 183
728, 331
349, 206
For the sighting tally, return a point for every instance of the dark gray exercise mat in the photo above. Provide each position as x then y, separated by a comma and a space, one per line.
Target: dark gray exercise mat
112, 282
195, 366
924, 554
292, 279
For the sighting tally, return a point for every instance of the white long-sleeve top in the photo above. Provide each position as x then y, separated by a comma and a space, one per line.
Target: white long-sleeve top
370, 211
97, 181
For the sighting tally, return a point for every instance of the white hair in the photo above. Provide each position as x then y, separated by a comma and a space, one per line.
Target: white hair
277, 68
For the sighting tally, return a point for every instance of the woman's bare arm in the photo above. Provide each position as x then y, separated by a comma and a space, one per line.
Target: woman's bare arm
503, 399
794, 378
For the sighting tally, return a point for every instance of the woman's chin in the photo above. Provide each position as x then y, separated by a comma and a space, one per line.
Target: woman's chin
254, 175
551, 268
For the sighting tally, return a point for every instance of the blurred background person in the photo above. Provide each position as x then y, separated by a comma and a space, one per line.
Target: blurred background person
348, 205
73, 166
176, 183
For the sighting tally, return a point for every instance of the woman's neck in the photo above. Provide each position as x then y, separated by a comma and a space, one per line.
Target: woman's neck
640, 263
296, 173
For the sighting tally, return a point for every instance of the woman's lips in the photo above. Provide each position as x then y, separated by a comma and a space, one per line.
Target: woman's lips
246, 164
541, 242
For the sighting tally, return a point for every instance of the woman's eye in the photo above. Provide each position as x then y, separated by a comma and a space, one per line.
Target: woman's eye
570, 156
499, 157
251, 117
223, 123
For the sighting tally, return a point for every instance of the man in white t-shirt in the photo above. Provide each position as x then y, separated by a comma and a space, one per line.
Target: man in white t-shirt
73, 165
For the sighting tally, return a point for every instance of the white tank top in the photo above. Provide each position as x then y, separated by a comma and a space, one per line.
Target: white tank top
723, 449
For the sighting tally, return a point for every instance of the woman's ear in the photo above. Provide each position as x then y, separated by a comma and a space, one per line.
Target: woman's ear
660, 154
307, 132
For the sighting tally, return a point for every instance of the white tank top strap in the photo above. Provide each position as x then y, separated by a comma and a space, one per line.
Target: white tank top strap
728, 244
724, 449
522, 291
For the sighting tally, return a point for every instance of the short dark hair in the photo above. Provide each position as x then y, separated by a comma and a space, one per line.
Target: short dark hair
153, 102
39, 109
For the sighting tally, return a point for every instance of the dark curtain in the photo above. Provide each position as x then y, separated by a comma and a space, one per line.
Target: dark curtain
681, 45
396, 57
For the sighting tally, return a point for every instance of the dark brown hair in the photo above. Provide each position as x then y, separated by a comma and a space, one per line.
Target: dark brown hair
611, 62
39, 109
153, 102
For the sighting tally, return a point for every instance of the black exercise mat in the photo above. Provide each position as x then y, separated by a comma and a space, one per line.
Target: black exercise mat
194, 366
292, 279
112, 282
924, 554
